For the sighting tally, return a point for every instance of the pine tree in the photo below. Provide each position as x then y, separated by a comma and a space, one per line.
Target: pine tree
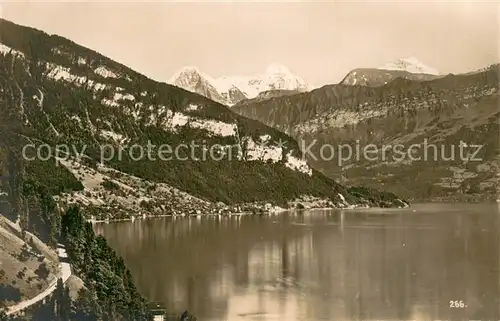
58, 298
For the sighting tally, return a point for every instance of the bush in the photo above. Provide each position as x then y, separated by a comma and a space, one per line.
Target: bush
110, 185
25, 253
42, 271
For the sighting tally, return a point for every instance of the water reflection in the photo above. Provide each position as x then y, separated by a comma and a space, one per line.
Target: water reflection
387, 264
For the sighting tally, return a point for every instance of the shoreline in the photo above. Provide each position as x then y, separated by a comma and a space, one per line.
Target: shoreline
279, 211
276, 211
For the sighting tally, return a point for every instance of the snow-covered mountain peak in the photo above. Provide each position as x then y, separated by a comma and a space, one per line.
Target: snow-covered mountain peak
188, 72
231, 89
411, 65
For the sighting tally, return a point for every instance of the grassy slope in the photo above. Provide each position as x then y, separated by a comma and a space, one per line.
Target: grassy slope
15, 260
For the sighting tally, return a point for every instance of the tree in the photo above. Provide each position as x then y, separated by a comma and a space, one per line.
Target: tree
42, 271
85, 307
62, 302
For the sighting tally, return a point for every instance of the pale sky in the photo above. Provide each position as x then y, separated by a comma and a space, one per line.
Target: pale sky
319, 41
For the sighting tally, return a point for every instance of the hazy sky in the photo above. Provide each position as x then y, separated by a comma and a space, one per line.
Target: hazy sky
320, 41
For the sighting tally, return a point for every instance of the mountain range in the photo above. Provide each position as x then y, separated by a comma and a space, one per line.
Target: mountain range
229, 90
277, 80
387, 108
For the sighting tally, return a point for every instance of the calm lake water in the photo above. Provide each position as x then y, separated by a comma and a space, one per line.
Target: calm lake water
320, 265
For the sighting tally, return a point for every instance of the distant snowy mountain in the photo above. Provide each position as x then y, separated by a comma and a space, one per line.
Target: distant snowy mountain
408, 68
229, 90
192, 79
275, 77
411, 65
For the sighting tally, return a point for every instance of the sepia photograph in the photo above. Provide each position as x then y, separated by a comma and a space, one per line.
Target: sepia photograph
249, 160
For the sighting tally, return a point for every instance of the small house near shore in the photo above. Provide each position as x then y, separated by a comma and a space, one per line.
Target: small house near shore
157, 311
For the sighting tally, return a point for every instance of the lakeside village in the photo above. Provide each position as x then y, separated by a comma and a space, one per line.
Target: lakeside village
106, 194
117, 213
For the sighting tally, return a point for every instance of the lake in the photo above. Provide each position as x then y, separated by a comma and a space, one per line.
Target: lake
427, 262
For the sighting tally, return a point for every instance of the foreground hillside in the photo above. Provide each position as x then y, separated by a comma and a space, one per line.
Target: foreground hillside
442, 114
59, 93
28, 265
